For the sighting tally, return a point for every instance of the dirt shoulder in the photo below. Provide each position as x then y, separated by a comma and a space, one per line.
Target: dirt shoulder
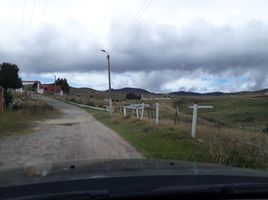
74, 135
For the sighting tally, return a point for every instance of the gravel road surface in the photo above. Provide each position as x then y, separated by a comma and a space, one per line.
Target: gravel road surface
74, 135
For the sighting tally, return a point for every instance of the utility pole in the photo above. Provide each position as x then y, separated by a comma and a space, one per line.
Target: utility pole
109, 78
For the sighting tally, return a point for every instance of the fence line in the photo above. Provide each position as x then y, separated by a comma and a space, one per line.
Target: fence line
86, 106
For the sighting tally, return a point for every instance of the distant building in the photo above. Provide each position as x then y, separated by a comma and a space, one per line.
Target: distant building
52, 89
31, 85
40, 88
1, 99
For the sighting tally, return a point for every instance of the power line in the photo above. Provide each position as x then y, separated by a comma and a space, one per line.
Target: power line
140, 15
31, 19
22, 29
137, 14
131, 23
131, 27
29, 29
42, 16
22, 23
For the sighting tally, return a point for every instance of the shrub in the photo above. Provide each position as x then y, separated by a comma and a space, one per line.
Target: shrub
8, 98
133, 96
90, 103
16, 104
72, 99
266, 129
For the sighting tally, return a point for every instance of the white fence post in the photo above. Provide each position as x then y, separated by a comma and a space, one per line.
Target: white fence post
137, 113
157, 113
125, 111
142, 111
194, 120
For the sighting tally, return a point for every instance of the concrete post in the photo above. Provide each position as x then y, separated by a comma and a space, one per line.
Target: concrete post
142, 111
125, 112
137, 113
194, 120
157, 113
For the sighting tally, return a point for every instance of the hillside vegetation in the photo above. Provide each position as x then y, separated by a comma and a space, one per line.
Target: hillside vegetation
233, 133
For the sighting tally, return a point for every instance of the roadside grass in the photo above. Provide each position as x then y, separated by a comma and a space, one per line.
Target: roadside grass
228, 146
158, 142
13, 123
21, 120
236, 111
241, 112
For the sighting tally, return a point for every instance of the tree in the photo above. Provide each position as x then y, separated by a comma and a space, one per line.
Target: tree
64, 85
133, 96
9, 78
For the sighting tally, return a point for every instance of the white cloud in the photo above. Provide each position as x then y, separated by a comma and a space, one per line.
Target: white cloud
157, 81
188, 85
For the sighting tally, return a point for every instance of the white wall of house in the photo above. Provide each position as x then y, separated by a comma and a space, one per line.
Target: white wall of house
40, 91
20, 90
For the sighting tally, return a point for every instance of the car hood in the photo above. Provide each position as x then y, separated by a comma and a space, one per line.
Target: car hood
85, 169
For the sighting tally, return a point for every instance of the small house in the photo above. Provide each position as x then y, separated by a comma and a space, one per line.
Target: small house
52, 89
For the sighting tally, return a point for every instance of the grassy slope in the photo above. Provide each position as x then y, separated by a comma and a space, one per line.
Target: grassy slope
154, 141
21, 121
241, 111
234, 111
13, 122
168, 141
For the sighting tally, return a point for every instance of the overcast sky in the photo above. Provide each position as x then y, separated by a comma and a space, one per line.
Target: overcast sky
159, 45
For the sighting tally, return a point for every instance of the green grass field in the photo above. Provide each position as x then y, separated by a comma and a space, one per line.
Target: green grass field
21, 121
227, 146
154, 141
13, 123
232, 133
236, 111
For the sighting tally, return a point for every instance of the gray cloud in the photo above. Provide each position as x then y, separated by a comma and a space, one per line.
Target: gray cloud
199, 45
62, 49
149, 47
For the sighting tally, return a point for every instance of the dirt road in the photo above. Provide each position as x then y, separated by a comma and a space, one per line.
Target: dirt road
75, 135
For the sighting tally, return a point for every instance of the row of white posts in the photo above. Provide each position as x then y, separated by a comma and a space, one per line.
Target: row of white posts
139, 109
140, 113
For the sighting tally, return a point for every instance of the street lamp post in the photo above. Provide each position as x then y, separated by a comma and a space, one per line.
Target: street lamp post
109, 77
